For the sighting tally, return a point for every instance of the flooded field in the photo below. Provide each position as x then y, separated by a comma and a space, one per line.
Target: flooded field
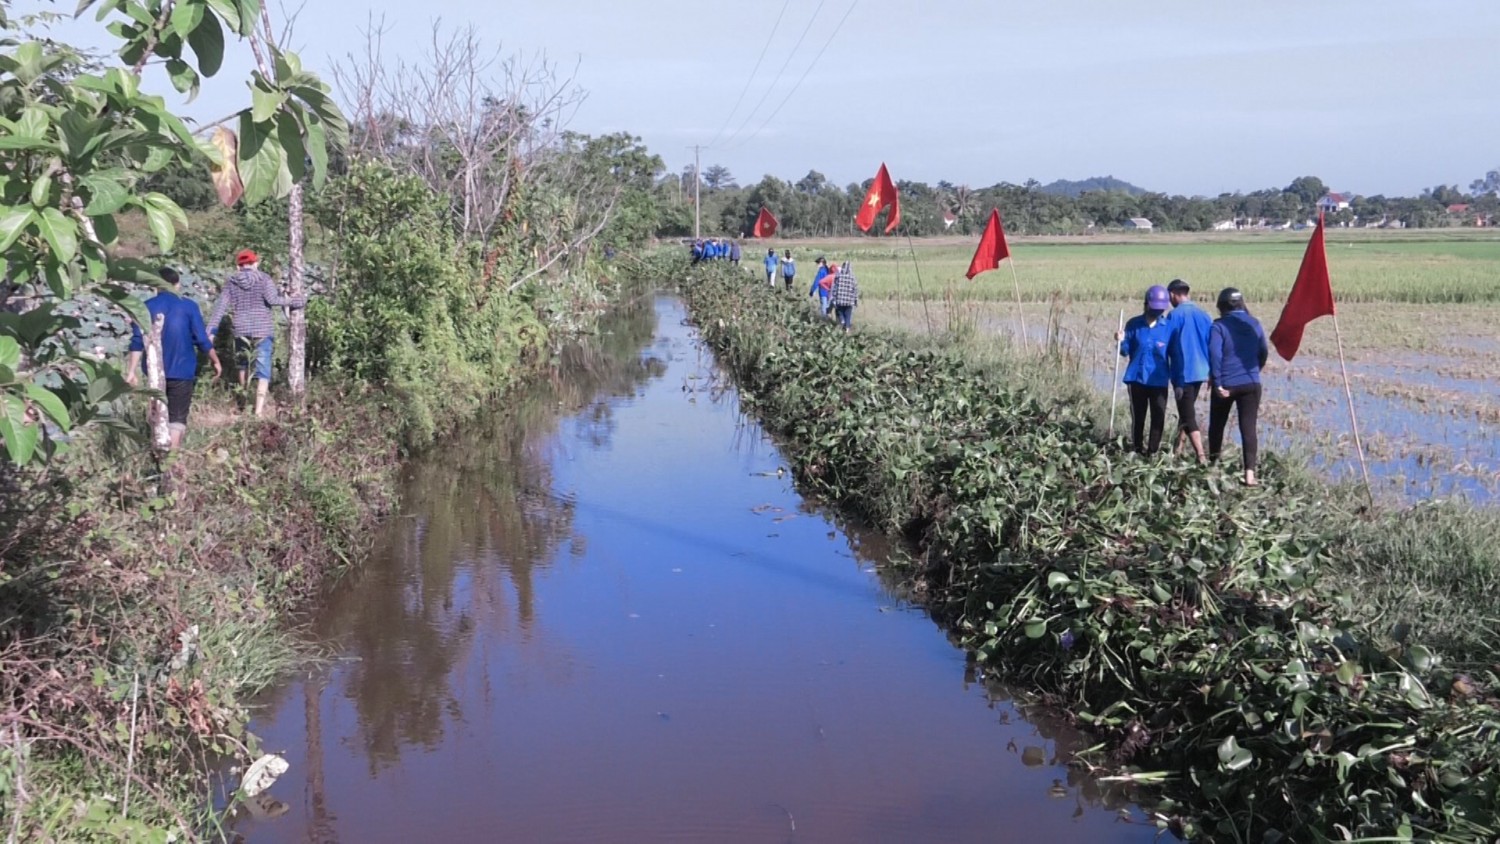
607, 615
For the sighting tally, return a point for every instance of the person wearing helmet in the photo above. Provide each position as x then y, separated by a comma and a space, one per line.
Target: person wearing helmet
1187, 361
1144, 342
1237, 350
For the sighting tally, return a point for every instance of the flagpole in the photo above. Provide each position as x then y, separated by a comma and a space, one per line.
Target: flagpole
1359, 446
899, 291
1114, 393
1020, 310
920, 289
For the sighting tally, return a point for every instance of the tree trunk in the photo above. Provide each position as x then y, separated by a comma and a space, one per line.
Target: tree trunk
297, 358
156, 379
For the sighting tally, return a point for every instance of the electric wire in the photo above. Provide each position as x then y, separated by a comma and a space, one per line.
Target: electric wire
805, 73
780, 73
748, 82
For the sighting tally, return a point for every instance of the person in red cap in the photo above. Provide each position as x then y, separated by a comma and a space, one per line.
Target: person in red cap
248, 297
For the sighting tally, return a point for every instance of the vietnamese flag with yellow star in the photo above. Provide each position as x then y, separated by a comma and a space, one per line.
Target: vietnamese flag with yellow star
882, 193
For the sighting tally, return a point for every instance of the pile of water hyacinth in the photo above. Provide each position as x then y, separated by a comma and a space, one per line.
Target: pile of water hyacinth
1180, 618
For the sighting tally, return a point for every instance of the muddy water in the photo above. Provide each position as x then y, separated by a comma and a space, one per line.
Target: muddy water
606, 617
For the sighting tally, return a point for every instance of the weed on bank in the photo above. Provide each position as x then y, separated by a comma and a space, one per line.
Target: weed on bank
1212, 635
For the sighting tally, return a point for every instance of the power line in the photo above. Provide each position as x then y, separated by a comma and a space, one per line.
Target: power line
804, 75
779, 73
748, 82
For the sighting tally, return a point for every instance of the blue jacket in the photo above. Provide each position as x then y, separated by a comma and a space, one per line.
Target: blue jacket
1146, 346
771, 262
1187, 351
789, 267
822, 272
182, 334
1237, 350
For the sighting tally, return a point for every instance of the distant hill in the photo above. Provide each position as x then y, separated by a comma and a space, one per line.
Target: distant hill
1064, 187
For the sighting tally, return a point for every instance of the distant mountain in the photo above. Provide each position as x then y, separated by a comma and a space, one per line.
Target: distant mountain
1064, 187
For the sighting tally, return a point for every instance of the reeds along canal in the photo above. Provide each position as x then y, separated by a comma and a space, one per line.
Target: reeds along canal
606, 615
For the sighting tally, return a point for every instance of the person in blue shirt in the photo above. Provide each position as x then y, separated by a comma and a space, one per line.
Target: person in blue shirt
183, 335
824, 272
697, 252
771, 262
1144, 342
789, 269
1187, 361
1237, 351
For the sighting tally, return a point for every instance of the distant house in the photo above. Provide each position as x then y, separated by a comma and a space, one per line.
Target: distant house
1139, 224
1458, 210
1225, 226
1333, 203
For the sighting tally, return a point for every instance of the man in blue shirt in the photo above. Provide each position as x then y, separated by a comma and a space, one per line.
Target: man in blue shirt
1144, 342
1187, 360
771, 262
183, 335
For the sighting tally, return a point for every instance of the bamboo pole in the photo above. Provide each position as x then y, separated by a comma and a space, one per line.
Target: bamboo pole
1114, 393
1359, 446
922, 291
156, 379
1020, 309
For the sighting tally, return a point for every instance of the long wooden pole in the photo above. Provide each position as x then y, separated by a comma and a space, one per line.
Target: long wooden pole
1359, 446
1114, 394
156, 379
920, 289
1020, 310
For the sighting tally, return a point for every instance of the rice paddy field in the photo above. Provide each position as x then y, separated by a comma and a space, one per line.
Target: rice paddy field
1418, 311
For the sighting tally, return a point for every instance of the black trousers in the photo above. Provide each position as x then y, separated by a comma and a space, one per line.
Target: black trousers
1246, 401
1143, 400
1187, 407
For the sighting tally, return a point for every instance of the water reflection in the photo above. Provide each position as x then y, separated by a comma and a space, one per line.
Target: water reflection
478, 524
607, 616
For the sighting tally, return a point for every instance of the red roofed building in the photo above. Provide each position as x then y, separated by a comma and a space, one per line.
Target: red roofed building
1333, 202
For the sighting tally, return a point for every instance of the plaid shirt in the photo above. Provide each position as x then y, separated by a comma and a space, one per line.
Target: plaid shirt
248, 296
845, 292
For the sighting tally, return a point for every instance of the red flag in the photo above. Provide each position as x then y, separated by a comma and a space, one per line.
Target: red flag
992, 247
765, 224
882, 193
1312, 297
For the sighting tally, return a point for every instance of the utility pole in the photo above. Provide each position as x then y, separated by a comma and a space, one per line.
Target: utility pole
697, 206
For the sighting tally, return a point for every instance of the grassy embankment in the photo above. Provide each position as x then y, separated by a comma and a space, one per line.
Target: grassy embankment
137, 621
1278, 662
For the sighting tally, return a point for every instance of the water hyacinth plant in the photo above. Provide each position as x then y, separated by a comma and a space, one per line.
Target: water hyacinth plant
1197, 627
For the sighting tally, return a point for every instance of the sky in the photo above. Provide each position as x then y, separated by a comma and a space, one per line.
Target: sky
1181, 96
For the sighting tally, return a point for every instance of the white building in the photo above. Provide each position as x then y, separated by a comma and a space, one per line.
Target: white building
1140, 224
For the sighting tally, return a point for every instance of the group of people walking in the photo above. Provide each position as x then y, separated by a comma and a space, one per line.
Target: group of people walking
1175, 349
716, 249
834, 284
248, 298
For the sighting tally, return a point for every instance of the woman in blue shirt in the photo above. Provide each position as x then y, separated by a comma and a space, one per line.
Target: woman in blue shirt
1144, 341
1237, 351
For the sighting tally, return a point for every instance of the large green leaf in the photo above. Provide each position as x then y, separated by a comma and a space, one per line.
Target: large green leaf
60, 233
183, 77
161, 227
50, 405
186, 17
262, 163
317, 149
13, 223
294, 152
10, 352
20, 438
264, 103
106, 196
207, 41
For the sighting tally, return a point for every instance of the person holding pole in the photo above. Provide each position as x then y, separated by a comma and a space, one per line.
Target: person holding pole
1144, 343
183, 336
1187, 361
1237, 350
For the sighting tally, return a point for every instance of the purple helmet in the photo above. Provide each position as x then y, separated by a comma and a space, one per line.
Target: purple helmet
1157, 299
